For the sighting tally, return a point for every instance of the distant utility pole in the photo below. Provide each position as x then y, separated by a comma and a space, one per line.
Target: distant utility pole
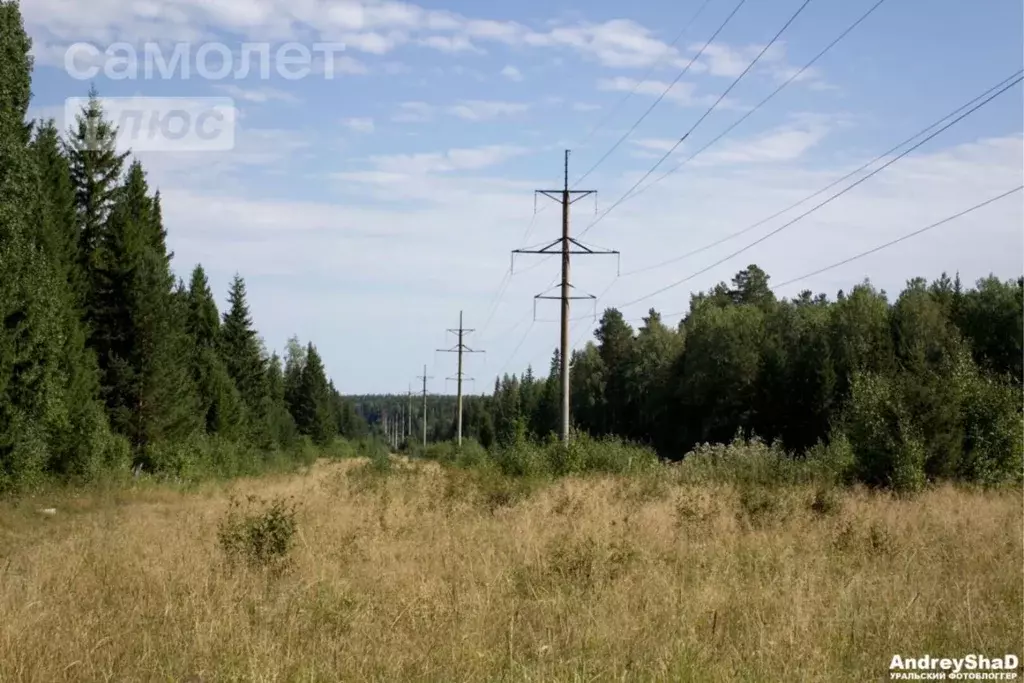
408, 431
460, 348
565, 244
424, 378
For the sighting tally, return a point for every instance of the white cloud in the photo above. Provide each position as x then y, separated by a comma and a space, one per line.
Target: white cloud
782, 144
512, 73
482, 110
359, 124
655, 144
682, 93
443, 162
617, 43
373, 42
467, 110
450, 44
372, 26
258, 95
342, 64
585, 106
413, 112
726, 61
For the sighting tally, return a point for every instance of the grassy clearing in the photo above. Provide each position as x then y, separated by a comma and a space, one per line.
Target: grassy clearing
415, 571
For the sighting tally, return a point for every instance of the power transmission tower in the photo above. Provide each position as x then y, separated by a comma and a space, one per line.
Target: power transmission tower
460, 349
567, 246
424, 378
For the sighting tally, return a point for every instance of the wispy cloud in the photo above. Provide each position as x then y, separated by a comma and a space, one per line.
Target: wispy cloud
451, 44
462, 159
413, 112
512, 73
467, 110
682, 93
359, 124
482, 110
259, 95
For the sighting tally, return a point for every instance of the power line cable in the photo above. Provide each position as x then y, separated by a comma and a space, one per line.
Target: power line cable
666, 91
701, 119
828, 187
636, 86
797, 74
900, 239
829, 199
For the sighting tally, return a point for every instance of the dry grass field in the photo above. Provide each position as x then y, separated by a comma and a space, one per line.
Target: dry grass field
431, 574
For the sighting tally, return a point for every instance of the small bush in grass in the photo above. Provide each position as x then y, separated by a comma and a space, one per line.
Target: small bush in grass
752, 462
827, 501
523, 459
259, 534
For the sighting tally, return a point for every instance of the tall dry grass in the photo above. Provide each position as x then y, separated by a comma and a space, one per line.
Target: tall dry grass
445, 575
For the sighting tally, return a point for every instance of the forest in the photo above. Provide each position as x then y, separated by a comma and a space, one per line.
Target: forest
924, 387
108, 361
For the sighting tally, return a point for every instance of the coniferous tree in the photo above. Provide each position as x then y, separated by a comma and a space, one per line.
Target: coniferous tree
96, 168
139, 325
313, 402
49, 420
58, 230
280, 423
219, 400
241, 349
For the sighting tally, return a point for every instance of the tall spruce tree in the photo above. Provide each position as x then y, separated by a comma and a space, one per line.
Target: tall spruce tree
219, 400
96, 170
139, 325
240, 347
313, 414
58, 230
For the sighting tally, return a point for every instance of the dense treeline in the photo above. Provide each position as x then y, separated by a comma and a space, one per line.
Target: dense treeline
105, 359
922, 388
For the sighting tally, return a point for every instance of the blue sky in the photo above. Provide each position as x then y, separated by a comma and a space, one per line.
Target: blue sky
367, 210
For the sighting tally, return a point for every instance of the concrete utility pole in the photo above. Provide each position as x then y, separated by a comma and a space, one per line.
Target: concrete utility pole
424, 378
565, 244
460, 348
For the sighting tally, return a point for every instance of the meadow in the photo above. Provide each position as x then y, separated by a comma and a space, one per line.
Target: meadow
414, 571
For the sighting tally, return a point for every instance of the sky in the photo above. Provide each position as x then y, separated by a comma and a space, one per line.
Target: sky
367, 209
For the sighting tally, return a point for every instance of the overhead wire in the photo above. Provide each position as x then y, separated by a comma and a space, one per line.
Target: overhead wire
903, 238
794, 76
830, 199
824, 189
700, 120
667, 89
636, 86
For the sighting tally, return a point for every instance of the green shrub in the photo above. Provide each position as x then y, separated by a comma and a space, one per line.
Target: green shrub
752, 462
608, 455
522, 459
993, 450
886, 449
260, 534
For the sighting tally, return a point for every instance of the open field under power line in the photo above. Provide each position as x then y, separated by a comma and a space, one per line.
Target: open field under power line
422, 572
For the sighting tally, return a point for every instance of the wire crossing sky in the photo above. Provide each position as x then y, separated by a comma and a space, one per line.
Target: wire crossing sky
388, 195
